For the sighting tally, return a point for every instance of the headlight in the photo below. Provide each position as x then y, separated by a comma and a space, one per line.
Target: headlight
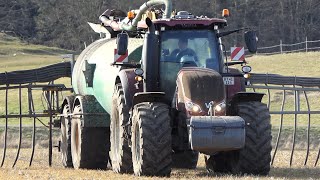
247, 76
220, 107
195, 108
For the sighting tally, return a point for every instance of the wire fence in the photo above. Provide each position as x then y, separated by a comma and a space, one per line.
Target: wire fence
281, 48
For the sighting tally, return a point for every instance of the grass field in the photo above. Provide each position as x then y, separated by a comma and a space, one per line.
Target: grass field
40, 170
15, 55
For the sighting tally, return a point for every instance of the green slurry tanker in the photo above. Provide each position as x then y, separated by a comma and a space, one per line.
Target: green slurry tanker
157, 92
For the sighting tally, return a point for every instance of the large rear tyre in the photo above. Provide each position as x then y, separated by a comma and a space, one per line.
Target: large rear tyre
89, 145
255, 157
120, 153
151, 139
185, 159
65, 120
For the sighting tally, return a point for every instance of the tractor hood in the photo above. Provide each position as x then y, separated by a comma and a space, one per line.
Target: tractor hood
200, 86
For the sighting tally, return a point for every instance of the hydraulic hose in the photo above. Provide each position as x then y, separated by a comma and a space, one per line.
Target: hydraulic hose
132, 27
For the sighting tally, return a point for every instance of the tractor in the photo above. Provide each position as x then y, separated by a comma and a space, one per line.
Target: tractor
157, 92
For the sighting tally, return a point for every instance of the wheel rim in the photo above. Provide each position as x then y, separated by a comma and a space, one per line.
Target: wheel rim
137, 142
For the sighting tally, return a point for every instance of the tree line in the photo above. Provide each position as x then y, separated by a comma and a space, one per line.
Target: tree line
63, 23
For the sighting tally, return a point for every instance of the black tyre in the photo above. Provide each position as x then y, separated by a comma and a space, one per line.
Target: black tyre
120, 153
65, 146
89, 145
255, 157
185, 159
151, 140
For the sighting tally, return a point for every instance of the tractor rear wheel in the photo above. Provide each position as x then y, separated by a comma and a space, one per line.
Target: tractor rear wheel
185, 159
120, 153
89, 145
255, 157
151, 139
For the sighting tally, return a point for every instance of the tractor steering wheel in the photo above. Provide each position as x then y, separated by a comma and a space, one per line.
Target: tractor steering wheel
184, 53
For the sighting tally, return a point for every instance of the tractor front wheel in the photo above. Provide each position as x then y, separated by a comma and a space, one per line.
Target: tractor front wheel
151, 139
255, 157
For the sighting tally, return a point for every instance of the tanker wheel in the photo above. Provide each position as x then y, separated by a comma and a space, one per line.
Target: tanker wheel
120, 153
255, 157
185, 159
65, 121
151, 139
89, 145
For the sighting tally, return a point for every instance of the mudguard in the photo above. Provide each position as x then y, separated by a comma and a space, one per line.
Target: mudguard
93, 114
129, 85
246, 96
149, 97
242, 97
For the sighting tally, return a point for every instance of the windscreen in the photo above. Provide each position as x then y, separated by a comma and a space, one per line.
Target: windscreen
190, 48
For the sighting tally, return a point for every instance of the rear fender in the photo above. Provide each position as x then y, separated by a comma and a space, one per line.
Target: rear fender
129, 85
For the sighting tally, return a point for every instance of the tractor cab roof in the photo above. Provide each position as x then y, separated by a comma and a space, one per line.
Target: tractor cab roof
184, 19
190, 23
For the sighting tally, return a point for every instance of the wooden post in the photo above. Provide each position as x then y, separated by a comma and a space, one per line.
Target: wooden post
280, 46
306, 44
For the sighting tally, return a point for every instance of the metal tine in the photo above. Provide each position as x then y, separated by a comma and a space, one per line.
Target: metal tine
20, 128
316, 162
295, 124
281, 126
34, 128
269, 98
5, 128
308, 130
48, 97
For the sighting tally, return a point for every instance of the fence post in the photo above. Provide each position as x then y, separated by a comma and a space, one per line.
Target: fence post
280, 46
306, 44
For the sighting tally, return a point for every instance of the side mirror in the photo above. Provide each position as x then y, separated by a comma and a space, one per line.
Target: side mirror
122, 43
251, 40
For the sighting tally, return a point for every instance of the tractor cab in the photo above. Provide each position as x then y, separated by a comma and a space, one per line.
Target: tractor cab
187, 41
190, 41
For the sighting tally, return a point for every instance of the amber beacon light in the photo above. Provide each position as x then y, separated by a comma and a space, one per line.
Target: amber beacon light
225, 13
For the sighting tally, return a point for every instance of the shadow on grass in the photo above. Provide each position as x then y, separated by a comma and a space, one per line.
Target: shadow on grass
299, 173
